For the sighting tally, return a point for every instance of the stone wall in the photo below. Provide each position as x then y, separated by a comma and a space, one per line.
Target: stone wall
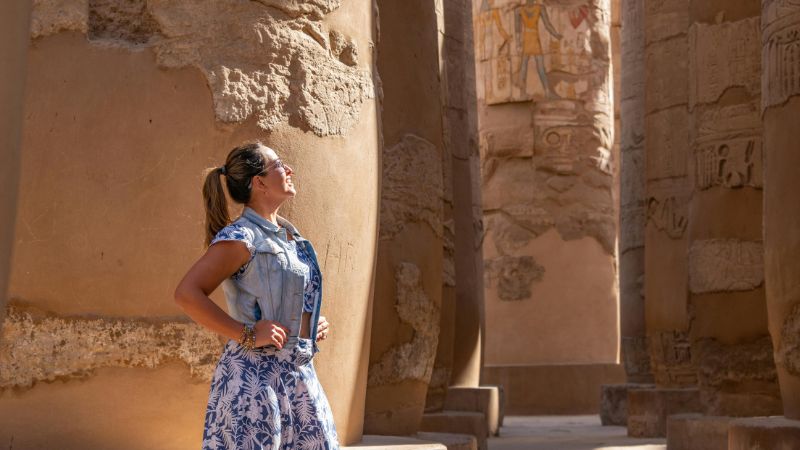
546, 137
127, 103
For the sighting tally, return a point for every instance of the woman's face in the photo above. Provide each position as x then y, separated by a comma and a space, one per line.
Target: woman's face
277, 178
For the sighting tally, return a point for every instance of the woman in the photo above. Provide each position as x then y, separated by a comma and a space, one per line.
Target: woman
264, 393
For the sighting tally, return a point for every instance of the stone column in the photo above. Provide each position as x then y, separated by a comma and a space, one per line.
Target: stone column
780, 81
667, 193
730, 344
633, 350
408, 283
546, 113
634, 353
127, 103
15, 22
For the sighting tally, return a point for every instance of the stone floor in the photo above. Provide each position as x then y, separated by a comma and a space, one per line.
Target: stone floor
566, 433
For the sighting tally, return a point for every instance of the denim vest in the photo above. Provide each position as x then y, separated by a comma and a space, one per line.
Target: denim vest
272, 286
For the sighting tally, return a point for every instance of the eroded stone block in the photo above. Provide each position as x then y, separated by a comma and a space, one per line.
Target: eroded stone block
36, 347
458, 422
648, 409
482, 399
695, 431
718, 265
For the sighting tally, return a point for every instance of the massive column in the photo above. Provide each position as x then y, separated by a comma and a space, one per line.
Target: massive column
408, 282
14, 21
667, 194
127, 103
546, 134
633, 350
780, 106
730, 344
780, 102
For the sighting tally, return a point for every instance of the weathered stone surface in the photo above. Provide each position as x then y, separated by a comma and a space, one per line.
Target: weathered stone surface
412, 360
636, 358
695, 431
671, 359
412, 186
513, 276
737, 379
648, 409
780, 75
763, 432
787, 350
614, 402
246, 50
36, 347
722, 57
668, 214
667, 143
482, 399
53, 16
728, 147
725, 265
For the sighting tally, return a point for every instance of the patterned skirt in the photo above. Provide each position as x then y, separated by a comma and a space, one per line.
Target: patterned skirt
266, 399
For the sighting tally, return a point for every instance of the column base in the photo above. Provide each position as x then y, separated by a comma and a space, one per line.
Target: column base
648, 409
694, 431
614, 402
458, 422
775, 432
482, 399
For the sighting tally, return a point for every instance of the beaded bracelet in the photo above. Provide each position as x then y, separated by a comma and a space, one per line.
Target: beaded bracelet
248, 337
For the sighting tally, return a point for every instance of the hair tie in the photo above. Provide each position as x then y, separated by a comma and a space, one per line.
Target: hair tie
223, 170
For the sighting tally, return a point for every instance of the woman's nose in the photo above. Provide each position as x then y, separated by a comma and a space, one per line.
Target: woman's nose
288, 169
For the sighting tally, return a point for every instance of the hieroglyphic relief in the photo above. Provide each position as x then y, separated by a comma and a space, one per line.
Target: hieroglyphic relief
671, 358
728, 147
723, 55
530, 49
780, 24
732, 164
667, 214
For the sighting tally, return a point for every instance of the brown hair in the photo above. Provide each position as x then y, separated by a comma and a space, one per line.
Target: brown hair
242, 164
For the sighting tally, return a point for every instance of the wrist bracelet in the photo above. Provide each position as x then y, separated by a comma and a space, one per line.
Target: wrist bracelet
248, 337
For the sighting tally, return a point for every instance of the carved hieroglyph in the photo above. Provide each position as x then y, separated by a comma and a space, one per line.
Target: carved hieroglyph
411, 360
412, 188
272, 60
780, 52
671, 358
722, 57
36, 347
718, 265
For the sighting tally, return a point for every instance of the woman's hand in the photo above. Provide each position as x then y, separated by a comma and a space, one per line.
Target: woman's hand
322, 328
270, 333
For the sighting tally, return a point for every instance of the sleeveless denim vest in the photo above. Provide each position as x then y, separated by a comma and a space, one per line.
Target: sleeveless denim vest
271, 287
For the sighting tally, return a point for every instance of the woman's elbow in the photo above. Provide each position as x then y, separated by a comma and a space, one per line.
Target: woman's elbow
182, 296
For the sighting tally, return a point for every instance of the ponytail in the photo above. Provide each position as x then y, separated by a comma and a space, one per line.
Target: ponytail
217, 216
241, 165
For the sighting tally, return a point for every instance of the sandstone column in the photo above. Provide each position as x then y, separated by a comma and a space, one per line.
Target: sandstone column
730, 344
127, 103
633, 352
545, 117
780, 81
14, 21
667, 192
408, 283
632, 195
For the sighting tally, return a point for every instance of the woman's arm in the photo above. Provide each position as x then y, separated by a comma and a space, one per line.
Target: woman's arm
218, 263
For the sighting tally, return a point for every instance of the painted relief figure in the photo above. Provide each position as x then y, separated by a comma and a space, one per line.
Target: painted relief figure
490, 17
527, 29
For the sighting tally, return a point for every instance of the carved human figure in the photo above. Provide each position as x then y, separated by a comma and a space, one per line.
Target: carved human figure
487, 18
527, 29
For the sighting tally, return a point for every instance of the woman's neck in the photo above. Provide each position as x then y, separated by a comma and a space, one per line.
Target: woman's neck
269, 212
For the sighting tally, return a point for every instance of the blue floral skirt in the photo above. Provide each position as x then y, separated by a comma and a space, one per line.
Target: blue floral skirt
267, 399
